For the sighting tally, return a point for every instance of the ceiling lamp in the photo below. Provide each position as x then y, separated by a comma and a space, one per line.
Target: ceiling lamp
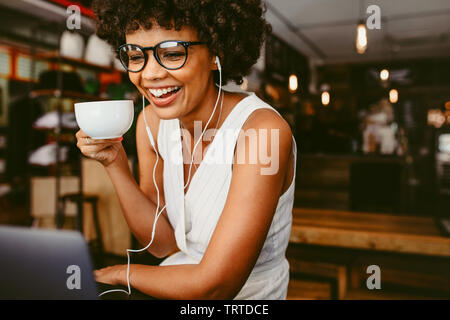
293, 83
384, 75
325, 96
393, 96
361, 38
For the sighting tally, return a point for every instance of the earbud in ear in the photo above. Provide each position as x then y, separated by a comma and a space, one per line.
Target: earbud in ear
218, 63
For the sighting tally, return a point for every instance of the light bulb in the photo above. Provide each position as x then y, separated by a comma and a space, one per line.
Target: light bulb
436, 118
361, 38
325, 98
393, 96
293, 83
384, 74
447, 105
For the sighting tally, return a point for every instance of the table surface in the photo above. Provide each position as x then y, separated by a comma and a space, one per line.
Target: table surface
373, 231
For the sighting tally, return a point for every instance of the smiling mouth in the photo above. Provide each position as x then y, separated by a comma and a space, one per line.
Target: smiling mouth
164, 93
164, 97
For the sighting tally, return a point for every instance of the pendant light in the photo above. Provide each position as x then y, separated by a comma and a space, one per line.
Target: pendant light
393, 96
325, 96
361, 38
293, 83
361, 31
384, 75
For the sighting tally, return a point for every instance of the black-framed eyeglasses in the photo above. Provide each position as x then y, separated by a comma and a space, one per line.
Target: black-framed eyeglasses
171, 54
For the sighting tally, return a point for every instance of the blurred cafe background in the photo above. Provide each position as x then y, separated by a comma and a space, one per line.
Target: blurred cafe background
365, 86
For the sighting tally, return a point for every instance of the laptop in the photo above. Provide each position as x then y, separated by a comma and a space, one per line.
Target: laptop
45, 264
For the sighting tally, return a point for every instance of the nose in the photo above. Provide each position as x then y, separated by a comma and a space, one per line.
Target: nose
153, 70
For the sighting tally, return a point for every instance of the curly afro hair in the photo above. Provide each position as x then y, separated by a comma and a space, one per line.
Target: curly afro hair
234, 30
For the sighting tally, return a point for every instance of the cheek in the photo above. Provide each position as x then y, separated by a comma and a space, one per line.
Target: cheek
196, 78
195, 84
134, 78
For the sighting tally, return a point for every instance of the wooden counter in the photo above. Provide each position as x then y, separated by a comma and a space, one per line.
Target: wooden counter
379, 232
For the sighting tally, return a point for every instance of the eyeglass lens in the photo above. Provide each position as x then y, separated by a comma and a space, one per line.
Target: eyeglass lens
171, 55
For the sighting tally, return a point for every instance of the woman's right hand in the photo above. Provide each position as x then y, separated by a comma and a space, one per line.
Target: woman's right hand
104, 151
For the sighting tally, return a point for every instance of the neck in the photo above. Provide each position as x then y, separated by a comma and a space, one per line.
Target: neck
203, 112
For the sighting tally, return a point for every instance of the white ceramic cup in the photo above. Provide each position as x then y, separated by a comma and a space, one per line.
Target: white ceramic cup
105, 119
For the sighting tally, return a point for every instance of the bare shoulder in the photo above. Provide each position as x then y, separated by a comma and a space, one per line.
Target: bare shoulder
265, 117
270, 120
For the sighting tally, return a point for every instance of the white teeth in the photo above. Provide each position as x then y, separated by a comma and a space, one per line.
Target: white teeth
159, 92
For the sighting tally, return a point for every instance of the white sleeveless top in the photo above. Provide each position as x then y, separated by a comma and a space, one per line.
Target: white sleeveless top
195, 215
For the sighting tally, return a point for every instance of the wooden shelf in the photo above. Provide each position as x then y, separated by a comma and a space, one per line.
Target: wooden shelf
53, 165
56, 58
63, 129
64, 93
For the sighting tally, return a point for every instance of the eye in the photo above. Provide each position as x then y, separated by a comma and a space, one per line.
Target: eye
136, 58
174, 55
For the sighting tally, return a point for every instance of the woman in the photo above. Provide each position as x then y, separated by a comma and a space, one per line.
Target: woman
231, 227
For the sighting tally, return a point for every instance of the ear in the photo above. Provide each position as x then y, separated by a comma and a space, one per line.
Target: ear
213, 63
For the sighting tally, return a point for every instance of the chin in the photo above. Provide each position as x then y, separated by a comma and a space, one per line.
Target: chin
167, 113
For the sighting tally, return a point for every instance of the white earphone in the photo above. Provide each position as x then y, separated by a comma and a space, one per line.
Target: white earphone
158, 212
218, 64
149, 133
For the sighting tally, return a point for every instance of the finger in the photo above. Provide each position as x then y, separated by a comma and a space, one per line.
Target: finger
81, 134
89, 143
92, 149
98, 272
100, 141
